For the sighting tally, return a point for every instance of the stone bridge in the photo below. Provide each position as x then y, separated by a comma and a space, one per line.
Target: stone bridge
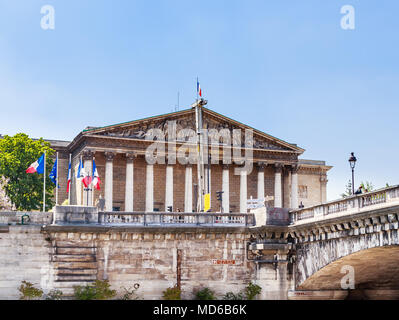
358, 233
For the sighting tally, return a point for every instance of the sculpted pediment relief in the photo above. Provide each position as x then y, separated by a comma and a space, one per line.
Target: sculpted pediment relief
184, 126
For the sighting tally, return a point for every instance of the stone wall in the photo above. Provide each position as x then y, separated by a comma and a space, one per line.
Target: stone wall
24, 255
63, 256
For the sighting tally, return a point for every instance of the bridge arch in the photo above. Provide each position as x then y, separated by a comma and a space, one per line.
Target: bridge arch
374, 256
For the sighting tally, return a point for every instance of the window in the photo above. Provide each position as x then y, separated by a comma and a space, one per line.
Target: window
303, 192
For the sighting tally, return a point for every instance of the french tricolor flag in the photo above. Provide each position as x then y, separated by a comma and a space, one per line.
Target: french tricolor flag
86, 178
69, 177
37, 166
199, 89
96, 178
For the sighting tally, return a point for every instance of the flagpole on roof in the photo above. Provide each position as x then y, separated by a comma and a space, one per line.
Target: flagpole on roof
197, 88
44, 183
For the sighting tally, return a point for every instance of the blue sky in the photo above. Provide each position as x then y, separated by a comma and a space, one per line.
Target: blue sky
284, 67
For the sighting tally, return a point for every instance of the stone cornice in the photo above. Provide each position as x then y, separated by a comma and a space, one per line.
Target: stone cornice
350, 225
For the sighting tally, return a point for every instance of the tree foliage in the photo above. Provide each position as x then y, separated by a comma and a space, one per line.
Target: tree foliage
367, 186
348, 190
25, 190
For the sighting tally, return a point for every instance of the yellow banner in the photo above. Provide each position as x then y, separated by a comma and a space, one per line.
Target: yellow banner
207, 202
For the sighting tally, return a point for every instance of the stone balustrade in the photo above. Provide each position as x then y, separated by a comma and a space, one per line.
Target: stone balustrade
173, 219
381, 198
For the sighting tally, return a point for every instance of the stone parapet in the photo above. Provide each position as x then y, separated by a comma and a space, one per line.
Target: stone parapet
14, 217
75, 214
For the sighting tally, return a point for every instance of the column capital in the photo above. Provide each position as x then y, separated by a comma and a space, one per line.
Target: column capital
261, 165
109, 156
225, 166
131, 155
87, 154
295, 168
323, 178
278, 167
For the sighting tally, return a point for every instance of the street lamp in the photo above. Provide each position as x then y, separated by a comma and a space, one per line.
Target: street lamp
352, 163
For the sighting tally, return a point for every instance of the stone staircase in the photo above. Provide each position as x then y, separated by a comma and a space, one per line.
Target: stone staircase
74, 263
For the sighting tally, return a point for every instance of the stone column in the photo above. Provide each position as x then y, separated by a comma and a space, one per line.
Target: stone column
78, 185
243, 191
129, 186
261, 180
109, 180
277, 186
294, 186
323, 188
226, 189
149, 188
88, 167
169, 187
188, 189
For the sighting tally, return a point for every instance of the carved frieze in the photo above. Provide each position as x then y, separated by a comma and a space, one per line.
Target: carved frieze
219, 131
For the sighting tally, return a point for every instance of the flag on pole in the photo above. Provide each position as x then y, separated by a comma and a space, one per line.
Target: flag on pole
86, 177
37, 166
199, 92
69, 176
83, 175
96, 178
53, 173
80, 174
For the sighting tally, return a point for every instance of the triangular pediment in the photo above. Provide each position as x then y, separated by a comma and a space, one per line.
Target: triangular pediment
185, 119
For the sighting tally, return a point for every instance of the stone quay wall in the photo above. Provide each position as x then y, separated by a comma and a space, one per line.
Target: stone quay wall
60, 257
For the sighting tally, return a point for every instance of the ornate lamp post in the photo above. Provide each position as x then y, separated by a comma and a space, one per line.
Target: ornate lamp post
352, 163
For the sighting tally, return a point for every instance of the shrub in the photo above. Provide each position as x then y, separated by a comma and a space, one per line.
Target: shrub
28, 291
54, 295
131, 294
100, 290
172, 293
249, 293
252, 290
232, 296
205, 294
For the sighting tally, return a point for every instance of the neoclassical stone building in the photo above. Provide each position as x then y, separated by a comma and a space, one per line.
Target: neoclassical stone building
130, 183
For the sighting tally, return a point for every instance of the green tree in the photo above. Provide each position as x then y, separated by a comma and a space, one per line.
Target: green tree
348, 190
25, 190
367, 186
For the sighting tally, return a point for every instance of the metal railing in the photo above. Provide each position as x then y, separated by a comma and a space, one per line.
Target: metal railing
348, 205
176, 219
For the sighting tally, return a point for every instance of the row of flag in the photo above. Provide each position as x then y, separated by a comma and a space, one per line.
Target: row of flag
83, 174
